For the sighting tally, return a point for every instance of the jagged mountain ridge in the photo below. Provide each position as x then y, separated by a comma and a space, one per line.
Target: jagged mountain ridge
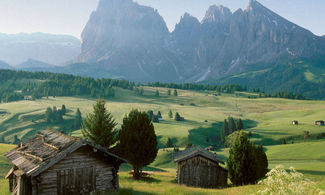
132, 41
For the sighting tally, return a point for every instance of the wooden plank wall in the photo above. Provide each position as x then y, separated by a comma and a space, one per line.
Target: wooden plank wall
78, 160
201, 172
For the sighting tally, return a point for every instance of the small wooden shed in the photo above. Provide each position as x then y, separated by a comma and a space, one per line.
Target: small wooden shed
320, 123
200, 168
54, 163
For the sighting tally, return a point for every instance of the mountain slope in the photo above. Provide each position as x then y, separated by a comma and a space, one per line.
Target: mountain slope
303, 76
230, 43
4, 65
127, 39
48, 48
132, 41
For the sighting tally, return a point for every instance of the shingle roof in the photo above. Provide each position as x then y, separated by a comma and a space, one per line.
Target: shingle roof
195, 151
46, 149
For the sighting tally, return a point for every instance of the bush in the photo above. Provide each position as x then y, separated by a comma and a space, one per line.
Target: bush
279, 181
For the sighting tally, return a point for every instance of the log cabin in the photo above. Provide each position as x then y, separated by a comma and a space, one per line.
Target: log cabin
320, 123
53, 163
200, 168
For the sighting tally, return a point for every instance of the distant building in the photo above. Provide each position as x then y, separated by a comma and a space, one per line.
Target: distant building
200, 168
54, 163
295, 122
320, 123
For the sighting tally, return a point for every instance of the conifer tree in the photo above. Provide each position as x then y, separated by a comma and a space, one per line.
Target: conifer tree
170, 114
169, 92
150, 114
246, 163
157, 93
99, 126
49, 115
63, 110
159, 115
240, 125
169, 143
138, 141
77, 119
224, 131
231, 125
175, 92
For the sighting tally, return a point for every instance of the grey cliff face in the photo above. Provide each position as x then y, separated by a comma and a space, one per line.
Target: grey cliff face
133, 41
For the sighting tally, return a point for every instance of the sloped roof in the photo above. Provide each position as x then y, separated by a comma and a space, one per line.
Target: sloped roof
46, 149
196, 151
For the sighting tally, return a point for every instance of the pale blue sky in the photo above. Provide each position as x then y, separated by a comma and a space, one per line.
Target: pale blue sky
70, 16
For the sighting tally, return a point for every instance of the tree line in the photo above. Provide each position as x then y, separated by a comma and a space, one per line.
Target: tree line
43, 84
193, 86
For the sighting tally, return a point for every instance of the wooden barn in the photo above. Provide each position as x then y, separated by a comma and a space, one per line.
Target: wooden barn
54, 163
200, 168
320, 123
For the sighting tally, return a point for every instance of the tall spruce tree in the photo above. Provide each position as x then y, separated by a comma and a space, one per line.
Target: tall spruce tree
224, 131
157, 93
175, 92
240, 125
246, 163
99, 126
159, 115
170, 114
150, 114
169, 92
262, 162
241, 162
77, 119
169, 143
231, 125
138, 141
63, 110
49, 115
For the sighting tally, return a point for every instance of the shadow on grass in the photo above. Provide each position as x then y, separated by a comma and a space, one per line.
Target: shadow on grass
128, 167
130, 191
210, 136
149, 180
312, 172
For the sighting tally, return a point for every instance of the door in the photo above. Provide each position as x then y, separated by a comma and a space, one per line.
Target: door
76, 181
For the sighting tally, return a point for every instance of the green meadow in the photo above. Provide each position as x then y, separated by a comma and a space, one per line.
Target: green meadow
269, 120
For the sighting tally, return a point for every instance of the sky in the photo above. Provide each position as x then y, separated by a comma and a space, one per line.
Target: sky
70, 16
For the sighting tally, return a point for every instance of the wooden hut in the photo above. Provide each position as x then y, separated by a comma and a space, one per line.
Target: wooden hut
200, 168
295, 122
320, 123
54, 163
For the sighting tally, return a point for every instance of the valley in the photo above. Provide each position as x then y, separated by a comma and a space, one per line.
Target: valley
269, 120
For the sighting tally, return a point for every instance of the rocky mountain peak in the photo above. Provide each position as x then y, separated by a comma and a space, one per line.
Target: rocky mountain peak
217, 14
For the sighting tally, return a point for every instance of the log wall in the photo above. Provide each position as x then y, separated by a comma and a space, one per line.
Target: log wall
79, 170
201, 172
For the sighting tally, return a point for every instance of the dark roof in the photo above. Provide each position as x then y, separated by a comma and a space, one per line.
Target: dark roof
196, 151
46, 149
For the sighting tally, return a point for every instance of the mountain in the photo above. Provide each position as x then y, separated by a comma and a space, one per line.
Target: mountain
31, 63
52, 49
4, 65
128, 40
132, 41
250, 39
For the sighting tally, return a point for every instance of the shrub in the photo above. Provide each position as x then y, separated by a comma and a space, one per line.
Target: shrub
280, 181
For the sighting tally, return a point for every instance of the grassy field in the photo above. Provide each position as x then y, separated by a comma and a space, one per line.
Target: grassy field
268, 119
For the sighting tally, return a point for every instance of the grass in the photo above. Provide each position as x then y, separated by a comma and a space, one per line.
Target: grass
268, 119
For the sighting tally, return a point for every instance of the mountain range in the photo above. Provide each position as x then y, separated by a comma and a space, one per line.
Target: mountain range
254, 47
48, 48
132, 41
